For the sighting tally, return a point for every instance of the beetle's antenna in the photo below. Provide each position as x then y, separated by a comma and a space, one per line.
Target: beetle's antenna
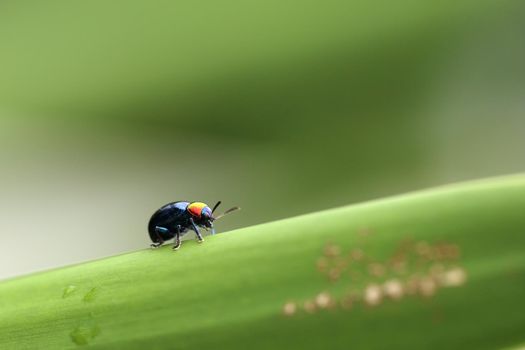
215, 207
227, 212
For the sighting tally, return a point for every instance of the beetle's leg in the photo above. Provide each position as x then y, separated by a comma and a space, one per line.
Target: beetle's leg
196, 229
177, 239
158, 231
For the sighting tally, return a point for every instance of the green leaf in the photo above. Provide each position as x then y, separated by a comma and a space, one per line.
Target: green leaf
443, 268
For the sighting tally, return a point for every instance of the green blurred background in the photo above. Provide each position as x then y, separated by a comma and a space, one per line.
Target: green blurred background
110, 109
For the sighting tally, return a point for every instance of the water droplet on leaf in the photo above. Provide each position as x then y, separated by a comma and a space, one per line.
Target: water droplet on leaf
91, 295
68, 291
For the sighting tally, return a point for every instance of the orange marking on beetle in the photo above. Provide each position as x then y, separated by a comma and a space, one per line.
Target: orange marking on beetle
195, 208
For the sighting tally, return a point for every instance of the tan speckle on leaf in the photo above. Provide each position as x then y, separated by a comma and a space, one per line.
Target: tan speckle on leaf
373, 294
427, 286
393, 288
290, 308
309, 306
324, 300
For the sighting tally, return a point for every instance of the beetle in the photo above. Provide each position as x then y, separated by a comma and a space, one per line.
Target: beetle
174, 219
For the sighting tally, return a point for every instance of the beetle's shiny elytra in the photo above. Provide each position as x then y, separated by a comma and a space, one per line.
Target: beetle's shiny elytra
173, 220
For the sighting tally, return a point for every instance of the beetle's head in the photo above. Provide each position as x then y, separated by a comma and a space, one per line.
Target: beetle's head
201, 213
207, 217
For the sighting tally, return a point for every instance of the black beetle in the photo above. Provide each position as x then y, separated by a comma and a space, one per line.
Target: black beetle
174, 219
